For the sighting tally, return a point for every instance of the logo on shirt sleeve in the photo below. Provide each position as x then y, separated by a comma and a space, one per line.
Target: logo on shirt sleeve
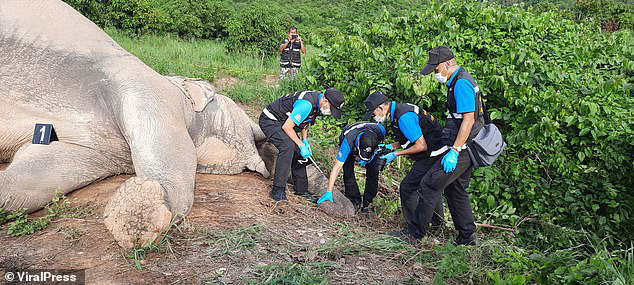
339, 154
298, 117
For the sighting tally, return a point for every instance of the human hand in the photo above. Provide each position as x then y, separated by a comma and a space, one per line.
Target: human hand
310, 149
389, 157
304, 150
326, 197
386, 146
450, 160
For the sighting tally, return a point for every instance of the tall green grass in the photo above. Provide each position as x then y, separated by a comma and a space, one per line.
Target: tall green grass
211, 60
170, 55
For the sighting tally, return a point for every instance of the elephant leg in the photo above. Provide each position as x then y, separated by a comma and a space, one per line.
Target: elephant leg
164, 160
37, 171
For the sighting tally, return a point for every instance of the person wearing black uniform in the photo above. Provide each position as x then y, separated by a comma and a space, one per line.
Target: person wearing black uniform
419, 134
291, 54
357, 140
282, 120
452, 174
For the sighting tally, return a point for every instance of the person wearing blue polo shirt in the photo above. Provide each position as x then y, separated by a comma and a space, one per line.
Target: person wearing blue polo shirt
419, 134
357, 140
282, 120
452, 173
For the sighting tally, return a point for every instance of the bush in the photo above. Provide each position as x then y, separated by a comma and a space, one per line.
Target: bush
610, 15
251, 25
134, 16
258, 26
195, 19
564, 107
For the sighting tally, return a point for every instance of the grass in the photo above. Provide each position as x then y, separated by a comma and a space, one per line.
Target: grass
58, 208
209, 60
362, 243
233, 241
498, 261
170, 55
293, 273
139, 254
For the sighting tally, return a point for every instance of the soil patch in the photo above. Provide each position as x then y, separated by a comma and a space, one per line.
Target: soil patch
224, 82
233, 234
270, 79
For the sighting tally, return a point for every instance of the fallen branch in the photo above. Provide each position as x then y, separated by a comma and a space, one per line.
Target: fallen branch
495, 227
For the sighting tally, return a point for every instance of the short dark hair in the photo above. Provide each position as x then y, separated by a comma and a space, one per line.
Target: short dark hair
292, 28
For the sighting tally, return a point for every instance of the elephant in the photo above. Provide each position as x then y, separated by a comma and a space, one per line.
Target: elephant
112, 114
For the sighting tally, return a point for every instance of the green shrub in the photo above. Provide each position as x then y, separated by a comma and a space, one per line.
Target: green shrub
610, 15
134, 16
259, 26
564, 107
195, 19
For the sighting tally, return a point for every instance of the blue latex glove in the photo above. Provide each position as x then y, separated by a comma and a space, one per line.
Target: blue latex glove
449, 161
310, 150
326, 197
387, 146
304, 150
389, 157
362, 162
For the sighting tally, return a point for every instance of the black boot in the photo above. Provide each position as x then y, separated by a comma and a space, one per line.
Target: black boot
278, 193
472, 240
367, 210
405, 235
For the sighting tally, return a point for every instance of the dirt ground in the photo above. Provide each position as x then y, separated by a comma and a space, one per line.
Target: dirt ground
232, 232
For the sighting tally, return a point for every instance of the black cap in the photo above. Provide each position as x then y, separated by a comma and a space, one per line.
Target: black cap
368, 142
371, 102
435, 57
336, 99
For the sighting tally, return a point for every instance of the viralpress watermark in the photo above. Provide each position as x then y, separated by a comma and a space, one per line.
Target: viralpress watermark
45, 276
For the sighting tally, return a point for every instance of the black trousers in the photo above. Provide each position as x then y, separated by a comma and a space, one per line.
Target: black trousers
411, 200
454, 184
288, 151
350, 182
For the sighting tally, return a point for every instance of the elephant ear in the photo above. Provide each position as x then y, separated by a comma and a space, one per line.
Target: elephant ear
198, 91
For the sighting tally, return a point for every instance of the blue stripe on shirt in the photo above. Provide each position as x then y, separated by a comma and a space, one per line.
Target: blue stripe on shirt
410, 127
464, 93
344, 151
301, 110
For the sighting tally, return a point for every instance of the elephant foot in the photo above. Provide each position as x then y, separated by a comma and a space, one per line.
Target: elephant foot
342, 207
137, 214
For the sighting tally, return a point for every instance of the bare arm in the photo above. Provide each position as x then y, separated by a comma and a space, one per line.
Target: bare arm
333, 174
305, 133
465, 129
419, 146
288, 129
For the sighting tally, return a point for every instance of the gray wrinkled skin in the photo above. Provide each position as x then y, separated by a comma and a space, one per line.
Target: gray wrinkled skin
112, 113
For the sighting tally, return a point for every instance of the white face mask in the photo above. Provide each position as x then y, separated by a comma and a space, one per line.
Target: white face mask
380, 119
326, 112
440, 78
